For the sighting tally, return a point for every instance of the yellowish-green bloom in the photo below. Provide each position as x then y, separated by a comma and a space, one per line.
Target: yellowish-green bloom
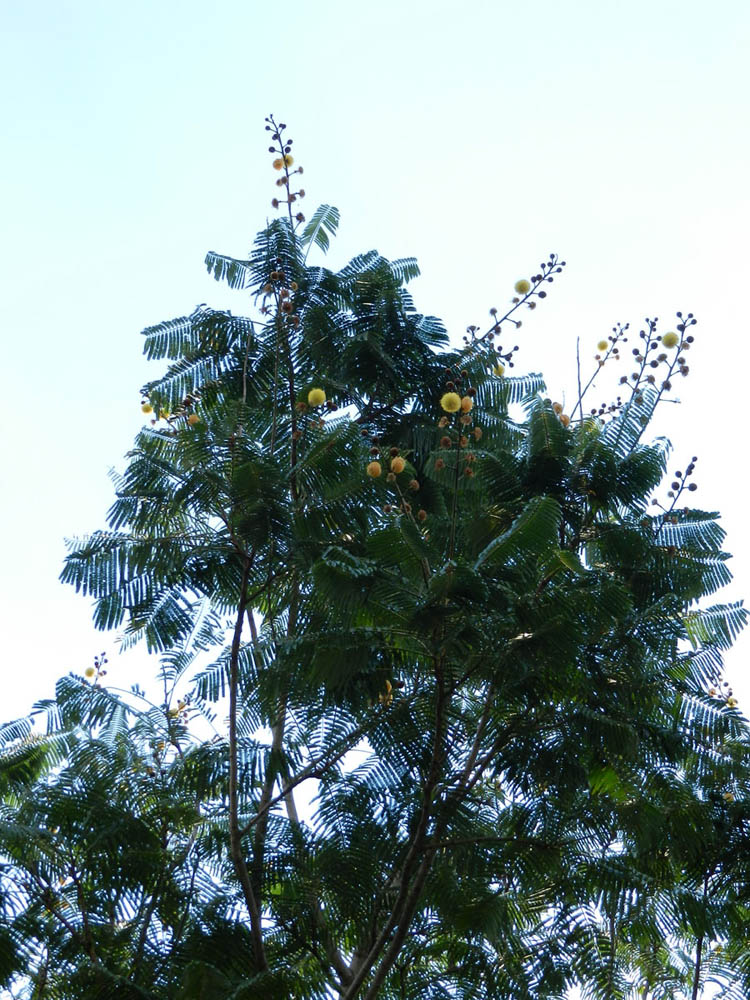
451, 402
670, 339
316, 397
522, 286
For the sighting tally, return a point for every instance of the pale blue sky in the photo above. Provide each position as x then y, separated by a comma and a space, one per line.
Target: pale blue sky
475, 136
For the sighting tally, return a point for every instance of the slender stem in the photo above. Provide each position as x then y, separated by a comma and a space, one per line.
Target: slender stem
409, 892
699, 948
235, 840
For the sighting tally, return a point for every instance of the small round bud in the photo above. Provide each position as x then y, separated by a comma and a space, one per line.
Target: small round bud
414, 485
564, 419
467, 403
422, 515
391, 477
393, 452
477, 433
445, 442
439, 464
498, 370
557, 407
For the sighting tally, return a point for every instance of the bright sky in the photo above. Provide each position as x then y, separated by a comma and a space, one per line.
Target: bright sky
475, 136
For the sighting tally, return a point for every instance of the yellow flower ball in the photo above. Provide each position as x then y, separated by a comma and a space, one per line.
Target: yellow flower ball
374, 469
89, 672
728, 797
602, 345
397, 465
316, 397
288, 160
146, 408
451, 402
466, 403
193, 419
278, 163
670, 339
522, 286
498, 370
732, 703
564, 419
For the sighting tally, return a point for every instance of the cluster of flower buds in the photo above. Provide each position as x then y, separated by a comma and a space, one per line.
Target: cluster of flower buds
527, 293
317, 401
278, 294
97, 670
398, 475
180, 711
284, 161
679, 484
723, 691
660, 357
457, 403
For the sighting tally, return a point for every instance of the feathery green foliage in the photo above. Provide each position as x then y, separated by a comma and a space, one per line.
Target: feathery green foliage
462, 638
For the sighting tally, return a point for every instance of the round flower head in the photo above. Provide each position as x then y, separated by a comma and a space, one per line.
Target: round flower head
278, 163
316, 397
288, 160
466, 403
602, 345
374, 469
731, 703
670, 339
498, 370
728, 797
451, 402
522, 286
564, 419
89, 672
397, 465
146, 408
194, 419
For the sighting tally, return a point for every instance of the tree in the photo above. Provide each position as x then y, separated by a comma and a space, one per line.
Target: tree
438, 607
